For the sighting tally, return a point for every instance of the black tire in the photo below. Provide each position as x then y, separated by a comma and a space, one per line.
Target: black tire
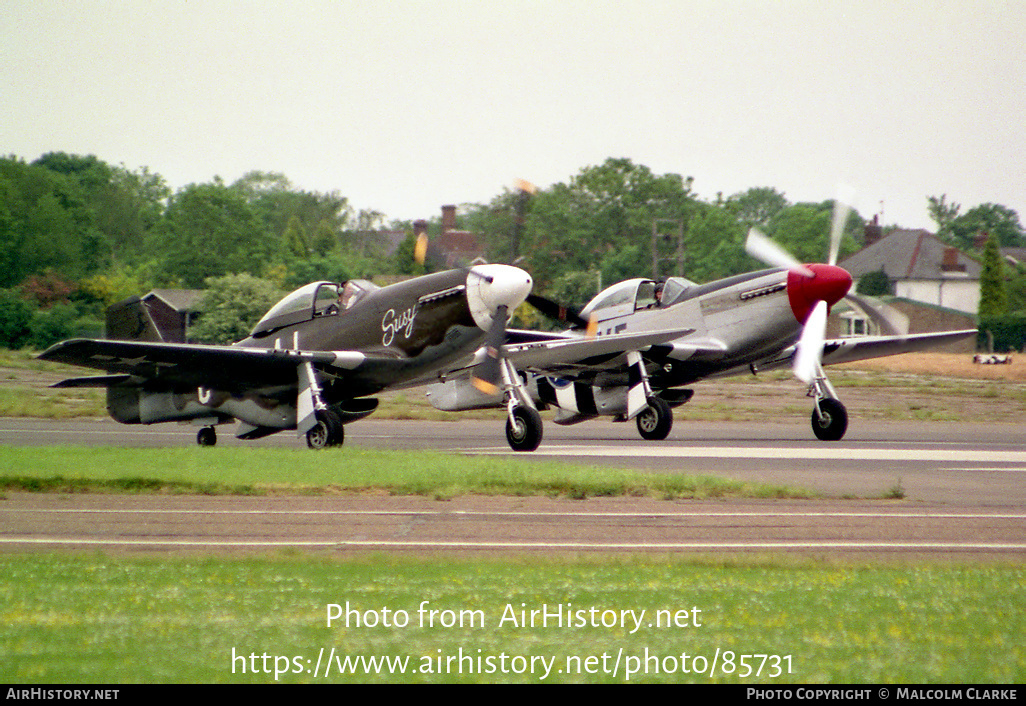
524, 430
328, 431
207, 436
336, 429
655, 421
833, 423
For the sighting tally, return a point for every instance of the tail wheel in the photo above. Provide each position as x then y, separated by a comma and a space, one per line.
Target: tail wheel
829, 420
524, 429
207, 436
655, 421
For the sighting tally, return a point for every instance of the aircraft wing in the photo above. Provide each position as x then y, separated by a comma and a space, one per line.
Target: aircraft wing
846, 350
229, 368
567, 350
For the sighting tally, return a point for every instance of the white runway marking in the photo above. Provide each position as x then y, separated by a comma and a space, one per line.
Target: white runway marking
520, 513
327, 544
832, 453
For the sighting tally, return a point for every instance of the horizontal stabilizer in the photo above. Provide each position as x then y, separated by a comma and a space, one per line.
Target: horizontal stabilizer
94, 381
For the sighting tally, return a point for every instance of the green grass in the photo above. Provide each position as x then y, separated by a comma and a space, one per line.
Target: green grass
91, 618
263, 470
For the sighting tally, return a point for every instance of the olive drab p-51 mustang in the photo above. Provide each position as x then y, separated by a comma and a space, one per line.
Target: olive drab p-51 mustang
315, 359
743, 324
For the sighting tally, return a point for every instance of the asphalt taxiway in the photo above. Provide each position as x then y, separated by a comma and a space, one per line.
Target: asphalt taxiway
963, 486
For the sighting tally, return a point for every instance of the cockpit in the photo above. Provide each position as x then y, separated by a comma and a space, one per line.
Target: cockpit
637, 294
312, 301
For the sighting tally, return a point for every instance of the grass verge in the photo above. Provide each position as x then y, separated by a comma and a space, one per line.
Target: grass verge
91, 618
262, 470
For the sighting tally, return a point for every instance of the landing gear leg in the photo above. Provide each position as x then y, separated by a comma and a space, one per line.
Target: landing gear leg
524, 424
207, 436
829, 417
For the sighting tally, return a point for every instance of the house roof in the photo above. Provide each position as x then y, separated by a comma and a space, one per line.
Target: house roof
1015, 256
912, 254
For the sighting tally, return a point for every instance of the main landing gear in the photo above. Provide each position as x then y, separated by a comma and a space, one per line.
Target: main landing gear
523, 423
829, 417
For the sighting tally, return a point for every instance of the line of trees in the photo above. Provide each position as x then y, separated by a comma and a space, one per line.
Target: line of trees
77, 234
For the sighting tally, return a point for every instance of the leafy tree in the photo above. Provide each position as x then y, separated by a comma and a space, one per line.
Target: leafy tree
874, 284
280, 207
575, 289
117, 284
988, 219
325, 239
123, 206
602, 211
295, 238
45, 222
804, 231
47, 289
758, 206
626, 263
943, 214
53, 325
993, 295
15, 320
231, 306
334, 267
209, 230
404, 260
714, 244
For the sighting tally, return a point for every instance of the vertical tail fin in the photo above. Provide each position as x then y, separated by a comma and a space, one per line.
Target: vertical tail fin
130, 320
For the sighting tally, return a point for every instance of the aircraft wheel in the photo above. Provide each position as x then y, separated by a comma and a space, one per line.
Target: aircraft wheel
832, 423
207, 436
328, 431
655, 421
524, 429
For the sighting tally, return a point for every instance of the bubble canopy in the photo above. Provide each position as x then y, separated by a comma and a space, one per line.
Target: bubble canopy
310, 301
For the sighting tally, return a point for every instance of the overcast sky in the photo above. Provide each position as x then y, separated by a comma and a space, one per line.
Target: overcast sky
404, 106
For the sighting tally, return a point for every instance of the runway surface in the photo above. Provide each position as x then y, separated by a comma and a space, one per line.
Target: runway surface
964, 495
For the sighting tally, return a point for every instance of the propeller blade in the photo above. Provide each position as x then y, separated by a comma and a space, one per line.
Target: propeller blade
766, 251
420, 249
555, 310
842, 206
810, 345
889, 320
487, 375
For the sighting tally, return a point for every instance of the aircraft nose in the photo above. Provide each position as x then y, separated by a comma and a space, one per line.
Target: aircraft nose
503, 285
492, 286
828, 283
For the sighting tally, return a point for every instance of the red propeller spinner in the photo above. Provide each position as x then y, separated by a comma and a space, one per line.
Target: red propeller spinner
828, 283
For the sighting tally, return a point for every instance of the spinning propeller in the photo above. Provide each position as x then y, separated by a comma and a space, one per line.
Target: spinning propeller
488, 373
812, 289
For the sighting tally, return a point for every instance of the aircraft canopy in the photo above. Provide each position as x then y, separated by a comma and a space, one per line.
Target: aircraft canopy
310, 301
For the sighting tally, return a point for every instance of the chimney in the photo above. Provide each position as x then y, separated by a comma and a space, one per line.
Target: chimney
448, 218
980, 241
950, 261
419, 228
872, 233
